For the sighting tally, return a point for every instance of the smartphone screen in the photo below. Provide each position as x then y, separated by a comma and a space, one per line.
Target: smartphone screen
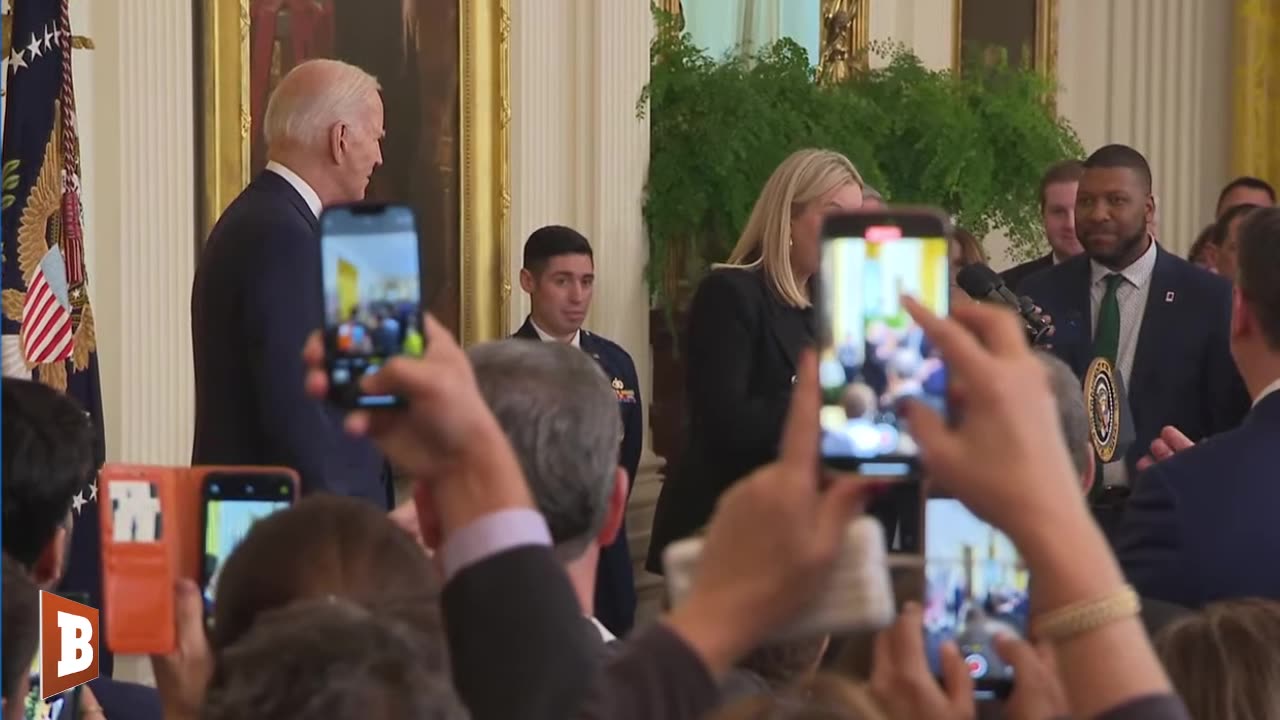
232, 504
976, 587
372, 295
875, 356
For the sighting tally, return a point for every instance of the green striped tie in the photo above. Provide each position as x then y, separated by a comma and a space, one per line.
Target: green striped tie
1106, 340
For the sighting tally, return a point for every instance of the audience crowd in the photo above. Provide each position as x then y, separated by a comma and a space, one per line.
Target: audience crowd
476, 599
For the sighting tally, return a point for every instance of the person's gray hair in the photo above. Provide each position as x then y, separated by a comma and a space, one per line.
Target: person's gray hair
561, 415
1072, 415
312, 98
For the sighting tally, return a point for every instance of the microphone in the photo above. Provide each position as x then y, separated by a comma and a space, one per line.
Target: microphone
982, 283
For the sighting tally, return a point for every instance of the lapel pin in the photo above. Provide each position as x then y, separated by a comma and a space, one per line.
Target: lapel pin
1168, 297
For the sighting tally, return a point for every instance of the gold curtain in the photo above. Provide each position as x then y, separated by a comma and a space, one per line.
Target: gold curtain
1256, 140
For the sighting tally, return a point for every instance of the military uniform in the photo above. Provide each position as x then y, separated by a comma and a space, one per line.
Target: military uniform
615, 601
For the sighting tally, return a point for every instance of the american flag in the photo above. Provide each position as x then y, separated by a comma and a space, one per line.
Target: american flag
46, 314
48, 321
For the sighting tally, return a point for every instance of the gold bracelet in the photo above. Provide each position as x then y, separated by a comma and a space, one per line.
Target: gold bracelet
1082, 617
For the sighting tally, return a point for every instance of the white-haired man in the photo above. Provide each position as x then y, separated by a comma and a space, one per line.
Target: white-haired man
255, 297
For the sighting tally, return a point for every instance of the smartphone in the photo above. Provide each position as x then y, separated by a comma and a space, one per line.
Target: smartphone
230, 504
64, 705
976, 587
372, 284
858, 596
873, 356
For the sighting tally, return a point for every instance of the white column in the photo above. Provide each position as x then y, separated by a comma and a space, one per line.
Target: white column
1154, 74
137, 130
579, 157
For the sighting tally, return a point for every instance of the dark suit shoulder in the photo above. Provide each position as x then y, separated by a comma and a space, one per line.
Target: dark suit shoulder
1193, 277
602, 344
741, 282
1054, 277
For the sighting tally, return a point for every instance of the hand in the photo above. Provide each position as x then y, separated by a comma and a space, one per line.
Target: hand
1037, 694
902, 681
1170, 441
445, 409
772, 541
183, 675
997, 459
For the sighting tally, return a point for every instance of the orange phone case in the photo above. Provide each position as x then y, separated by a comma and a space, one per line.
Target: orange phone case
150, 520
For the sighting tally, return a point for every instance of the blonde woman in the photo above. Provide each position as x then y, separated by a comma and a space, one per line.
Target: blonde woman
750, 318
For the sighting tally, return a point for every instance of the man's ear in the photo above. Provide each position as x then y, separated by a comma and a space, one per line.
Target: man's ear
338, 142
617, 511
1242, 322
47, 570
527, 281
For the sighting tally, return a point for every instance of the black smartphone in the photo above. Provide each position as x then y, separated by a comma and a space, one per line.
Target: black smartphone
873, 356
230, 504
62, 706
976, 587
372, 285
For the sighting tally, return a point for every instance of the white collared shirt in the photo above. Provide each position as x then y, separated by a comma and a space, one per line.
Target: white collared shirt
1131, 295
605, 635
294, 179
1273, 387
575, 341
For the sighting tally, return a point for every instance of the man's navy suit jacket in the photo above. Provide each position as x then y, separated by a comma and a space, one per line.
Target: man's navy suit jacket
1183, 374
1201, 526
256, 298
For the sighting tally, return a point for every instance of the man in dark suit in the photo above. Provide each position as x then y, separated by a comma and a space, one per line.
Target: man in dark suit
1161, 321
1200, 525
559, 275
257, 294
1058, 211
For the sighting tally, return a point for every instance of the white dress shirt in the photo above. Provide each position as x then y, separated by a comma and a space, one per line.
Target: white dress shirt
575, 341
1273, 387
1131, 296
605, 635
306, 191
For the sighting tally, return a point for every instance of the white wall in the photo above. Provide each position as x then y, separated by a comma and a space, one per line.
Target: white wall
923, 25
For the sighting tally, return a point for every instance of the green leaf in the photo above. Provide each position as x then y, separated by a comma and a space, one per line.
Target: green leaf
11, 166
10, 182
6, 202
974, 145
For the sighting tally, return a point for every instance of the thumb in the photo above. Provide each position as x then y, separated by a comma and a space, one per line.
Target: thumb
842, 501
189, 609
956, 678
938, 445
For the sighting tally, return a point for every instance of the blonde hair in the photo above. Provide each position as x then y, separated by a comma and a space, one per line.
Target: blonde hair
822, 697
802, 178
312, 98
1225, 660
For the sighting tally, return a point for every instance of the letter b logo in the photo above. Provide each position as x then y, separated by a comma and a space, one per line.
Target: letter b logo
68, 644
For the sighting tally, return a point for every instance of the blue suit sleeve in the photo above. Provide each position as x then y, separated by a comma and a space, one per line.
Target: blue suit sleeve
280, 312
1149, 547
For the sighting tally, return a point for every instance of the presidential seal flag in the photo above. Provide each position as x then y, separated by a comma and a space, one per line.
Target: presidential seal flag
48, 332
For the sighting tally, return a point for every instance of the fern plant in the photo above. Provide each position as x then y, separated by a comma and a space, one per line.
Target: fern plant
974, 145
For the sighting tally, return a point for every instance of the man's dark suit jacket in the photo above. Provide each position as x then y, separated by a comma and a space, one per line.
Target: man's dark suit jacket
743, 344
1014, 276
255, 300
615, 600
1201, 526
1183, 374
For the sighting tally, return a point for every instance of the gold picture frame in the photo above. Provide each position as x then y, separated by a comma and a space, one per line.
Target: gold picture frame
1044, 43
485, 120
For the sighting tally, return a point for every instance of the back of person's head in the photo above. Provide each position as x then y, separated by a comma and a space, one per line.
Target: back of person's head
326, 545
1225, 660
782, 664
858, 400
1258, 278
802, 178
1072, 414
48, 459
970, 250
20, 606
332, 659
561, 417
1200, 249
1245, 189
313, 97
821, 697
552, 241
1222, 228
1110, 157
